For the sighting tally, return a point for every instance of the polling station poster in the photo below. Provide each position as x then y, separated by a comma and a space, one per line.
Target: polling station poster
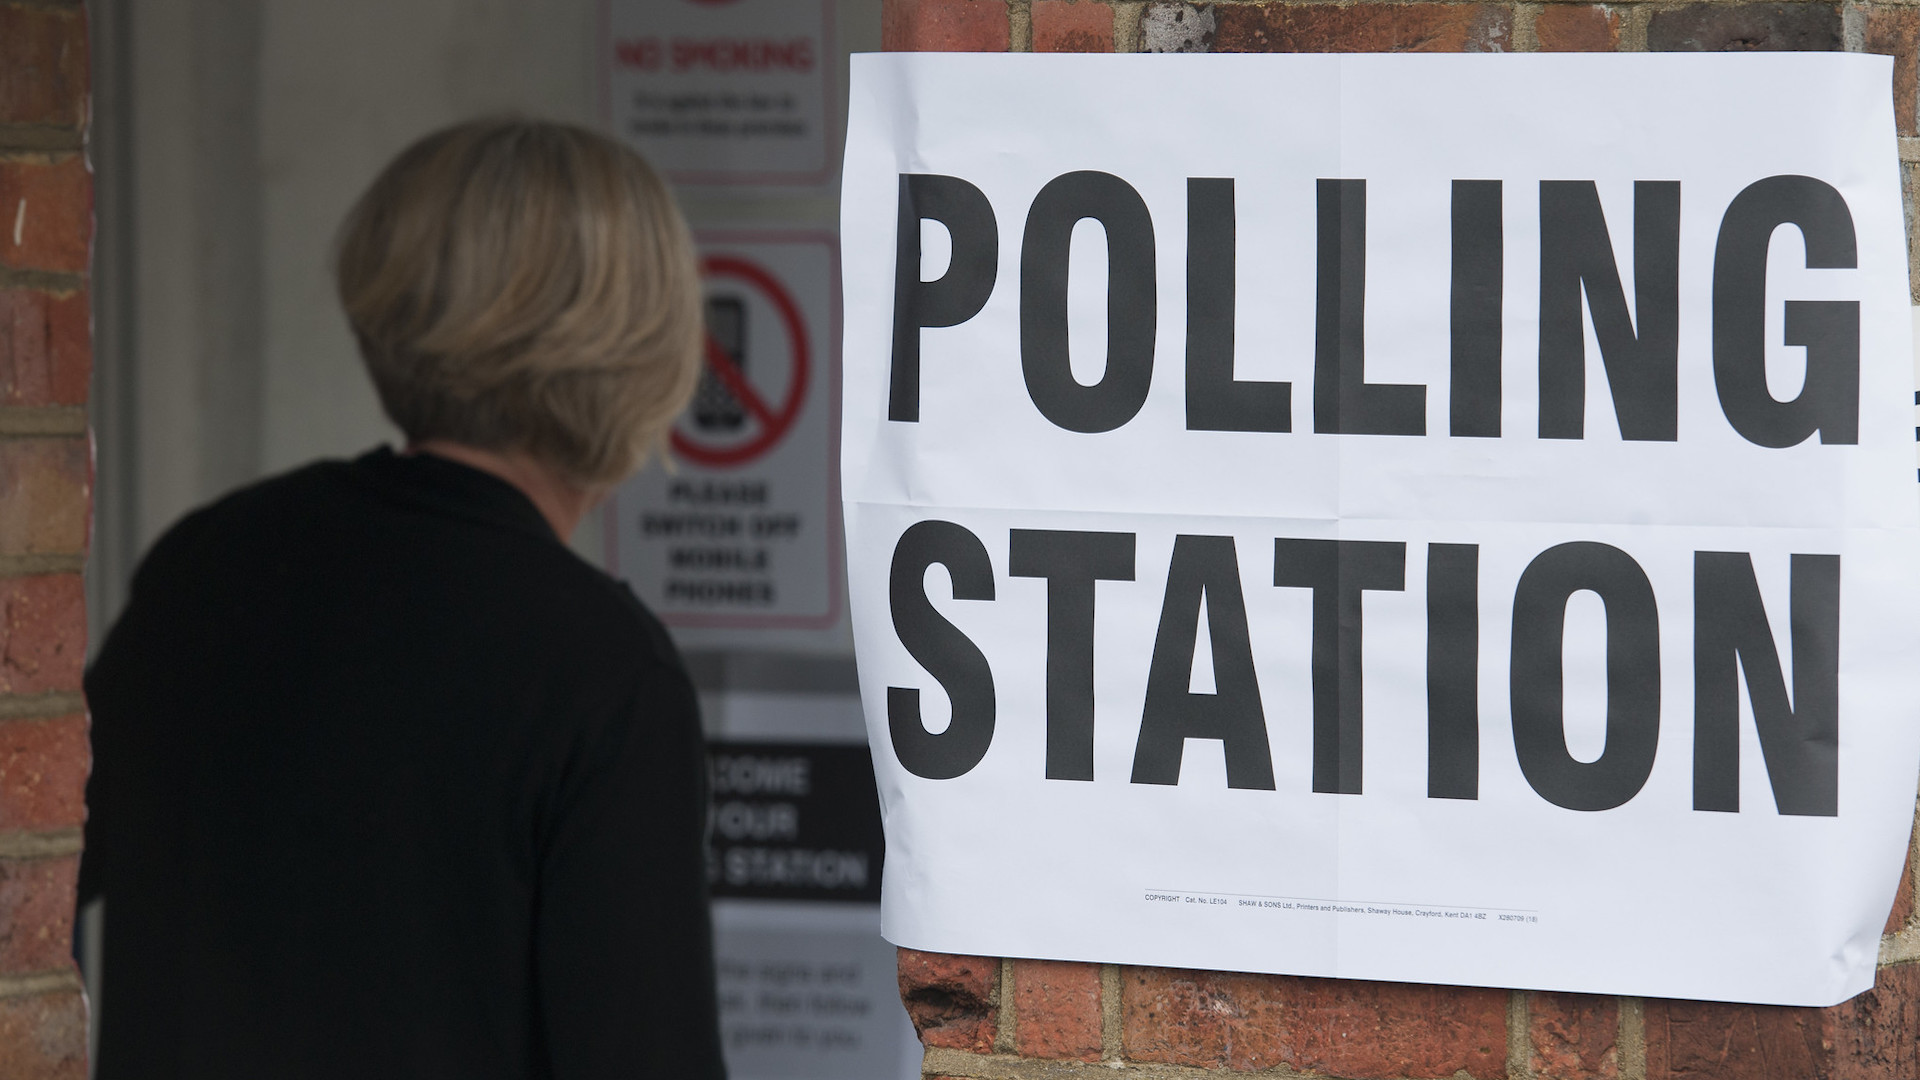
1440, 518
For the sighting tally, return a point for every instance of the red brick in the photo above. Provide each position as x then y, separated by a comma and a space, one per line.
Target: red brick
1699, 1039
1363, 28
43, 633
43, 495
945, 26
951, 999
1902, 912
46, 212
43, 773
1063, 26
1368, 1029
1577, 28
1359, 1030
36, 914
46, 347
1056, 1009
43, 66
1873, 1036
1799, 27
44, 1037
1177, 1017
1876, 1036
1573, 1036
1895, 32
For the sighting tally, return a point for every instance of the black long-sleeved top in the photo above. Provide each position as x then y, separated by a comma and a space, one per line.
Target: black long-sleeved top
389, 783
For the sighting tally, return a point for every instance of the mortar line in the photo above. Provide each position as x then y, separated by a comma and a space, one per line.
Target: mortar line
41, 982
41, 844
41, 706
1633, 27
58, 282
1519, 1037
944, 1062
1019, 25
1631, 1042
1005, 1022
43, 420
1526, 16
1126, 24
1112, 1046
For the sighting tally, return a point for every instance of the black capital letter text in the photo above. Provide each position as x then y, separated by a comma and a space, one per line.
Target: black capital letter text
1800, 740
947, 654
1538, 677
1204, 569
1829, 400
958, 295
1071, 562
1337, 571
1131, 314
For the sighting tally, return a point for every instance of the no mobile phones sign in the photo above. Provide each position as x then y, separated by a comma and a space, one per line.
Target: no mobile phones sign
738, 538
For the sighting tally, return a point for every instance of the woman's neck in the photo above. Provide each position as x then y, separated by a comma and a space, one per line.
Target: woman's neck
560, 501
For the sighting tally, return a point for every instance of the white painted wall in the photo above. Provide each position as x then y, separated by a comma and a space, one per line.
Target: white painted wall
344, 86
190, 376
256, 124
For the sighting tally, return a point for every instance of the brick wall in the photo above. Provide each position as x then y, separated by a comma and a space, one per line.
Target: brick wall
46, 228
995, 1019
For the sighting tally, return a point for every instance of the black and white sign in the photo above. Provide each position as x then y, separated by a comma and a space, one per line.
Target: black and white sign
1416, 529
793, 821
723, 91
738, 543
807, 985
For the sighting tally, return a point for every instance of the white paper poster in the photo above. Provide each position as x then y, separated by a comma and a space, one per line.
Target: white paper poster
723, 92
1441, 519
738, 543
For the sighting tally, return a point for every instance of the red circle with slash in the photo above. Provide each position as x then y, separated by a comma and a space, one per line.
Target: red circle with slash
774, 422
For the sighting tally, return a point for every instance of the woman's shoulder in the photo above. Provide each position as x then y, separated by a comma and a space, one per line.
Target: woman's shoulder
210, 532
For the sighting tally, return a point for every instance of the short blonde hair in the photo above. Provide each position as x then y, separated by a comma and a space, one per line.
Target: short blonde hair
522, 285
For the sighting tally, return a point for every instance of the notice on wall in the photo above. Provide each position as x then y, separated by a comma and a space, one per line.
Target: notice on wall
793, 821
737, 542
723, 92
809, 992
807, 985
1395, 527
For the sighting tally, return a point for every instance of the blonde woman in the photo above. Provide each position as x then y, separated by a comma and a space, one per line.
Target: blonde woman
389, 783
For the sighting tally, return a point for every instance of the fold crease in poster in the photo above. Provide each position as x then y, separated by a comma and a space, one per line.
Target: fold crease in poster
1434, 518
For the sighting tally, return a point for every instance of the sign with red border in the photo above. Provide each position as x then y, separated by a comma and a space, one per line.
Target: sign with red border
771, 421
739, 543
723, 92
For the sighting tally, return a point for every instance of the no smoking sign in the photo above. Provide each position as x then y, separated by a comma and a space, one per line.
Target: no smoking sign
739, 544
